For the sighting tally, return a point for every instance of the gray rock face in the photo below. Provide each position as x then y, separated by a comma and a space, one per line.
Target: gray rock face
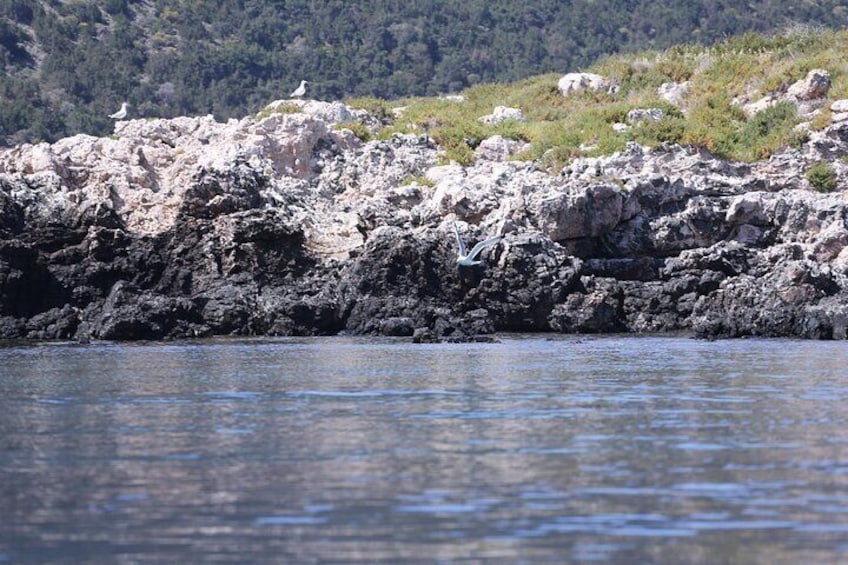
586, 211
288, 224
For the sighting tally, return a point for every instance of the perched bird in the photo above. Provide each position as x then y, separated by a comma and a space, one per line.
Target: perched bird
300, 90
120, 114
465, 259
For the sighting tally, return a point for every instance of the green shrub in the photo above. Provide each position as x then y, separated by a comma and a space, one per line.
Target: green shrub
560, 128
722, 127
380, 109
359, 129
285, 108
667, 130
822, 176
712, 123
765, 132
420, 180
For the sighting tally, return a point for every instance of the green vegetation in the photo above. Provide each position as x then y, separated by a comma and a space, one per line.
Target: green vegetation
68, 64
359, 129
560, 128
271, 110
822, 176
419, 180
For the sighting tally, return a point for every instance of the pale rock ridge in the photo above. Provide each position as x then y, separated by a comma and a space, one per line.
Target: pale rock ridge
142, 171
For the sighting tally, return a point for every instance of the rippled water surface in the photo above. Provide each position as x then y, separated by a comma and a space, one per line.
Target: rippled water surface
609, 449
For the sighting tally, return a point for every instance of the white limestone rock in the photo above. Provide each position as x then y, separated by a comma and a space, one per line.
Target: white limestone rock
812, 87
330, 112
502, 114
675, 93
807, 94
143, 171
750, 208
499, 148
839, 111
757, 106
340, 188
577, 82
638, 115
839, 106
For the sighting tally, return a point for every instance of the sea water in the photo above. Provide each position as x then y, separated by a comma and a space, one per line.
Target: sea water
353, 450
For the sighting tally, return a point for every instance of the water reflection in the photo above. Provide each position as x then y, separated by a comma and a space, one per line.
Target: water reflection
625, 449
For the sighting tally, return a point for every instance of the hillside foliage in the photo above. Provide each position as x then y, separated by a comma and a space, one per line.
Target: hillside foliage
68, 64
720, 78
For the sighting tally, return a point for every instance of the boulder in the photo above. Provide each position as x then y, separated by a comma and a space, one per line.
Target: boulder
499, 148
839, 111
645, 114
502, 114
132, 313
807, 95
598, 311
577, 82
675, 93
398, 326
812, 87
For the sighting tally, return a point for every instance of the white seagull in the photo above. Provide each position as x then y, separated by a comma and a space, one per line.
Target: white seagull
465, 259
300, 90
120, 114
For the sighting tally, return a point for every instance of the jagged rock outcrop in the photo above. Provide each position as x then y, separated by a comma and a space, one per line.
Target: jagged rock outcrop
287, 223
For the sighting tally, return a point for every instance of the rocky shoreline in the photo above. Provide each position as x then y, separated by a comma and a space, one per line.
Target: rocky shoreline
289, 224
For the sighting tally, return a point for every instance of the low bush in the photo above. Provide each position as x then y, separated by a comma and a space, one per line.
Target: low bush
720, 80
822, 177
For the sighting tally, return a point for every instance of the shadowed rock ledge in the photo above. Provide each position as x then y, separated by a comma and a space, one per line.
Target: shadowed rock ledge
290, 225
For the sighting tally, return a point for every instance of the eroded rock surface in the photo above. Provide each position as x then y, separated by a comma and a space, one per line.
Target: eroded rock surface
288, 224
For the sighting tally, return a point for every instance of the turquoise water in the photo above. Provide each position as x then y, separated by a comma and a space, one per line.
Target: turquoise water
532, 450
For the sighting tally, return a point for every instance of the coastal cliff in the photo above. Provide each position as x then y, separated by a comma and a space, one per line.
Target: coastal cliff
289, 223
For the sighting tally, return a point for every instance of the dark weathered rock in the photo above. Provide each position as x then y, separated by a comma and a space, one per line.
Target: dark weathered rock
599, 310
531, 277
56, 323
131, 313
398, 327
794, 299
